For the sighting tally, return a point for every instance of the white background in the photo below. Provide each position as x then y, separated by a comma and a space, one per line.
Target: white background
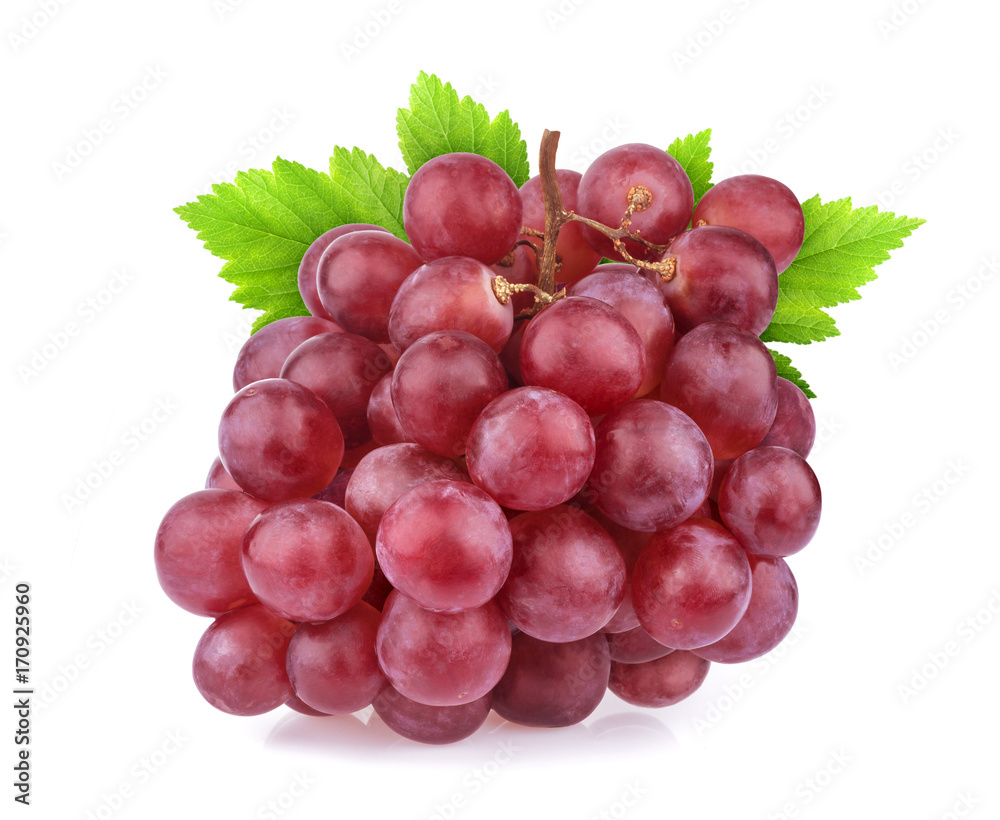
847, 99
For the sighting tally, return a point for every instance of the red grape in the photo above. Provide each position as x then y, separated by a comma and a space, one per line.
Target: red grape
307, 560
653, 466
604, 196
567, 578
197, 551
723, 377
760, 206
379, 590
219, 479
431, 724
691, 584
303, 708
510, 356
310, 262
355, 454
358, 276
263, 354
719, 470
453, 293
520, 269
722, 274
332, 665
553, 684
385, 474
446, 545
636, 646
441, 385
382, 419
576, 256
278, 440
794, 423
462, 205
774, 602
585, 349
771, 501
662, 682
630, 544
342, 369
336, 490
442, 659
531, 449
643, 305
239, 663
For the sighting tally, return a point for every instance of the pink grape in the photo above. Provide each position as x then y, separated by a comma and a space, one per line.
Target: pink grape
531, 449
462, 204
760, 206
219, 479
723, 377
794, 423
441, 385
576, 256
722, 274
635, 646
358, 276
446, 545
278, 440
385, 474
336, 490
771, 501
453, 293
332, 665
310, 262
567, 578
774, 602
263, 354
603, 195
431, 724
307, 560
586, 350
691, 584
382, 419
661, 682
342, 369
643, 305
553, 684
442, 659
653, 466
197, 551
239, 663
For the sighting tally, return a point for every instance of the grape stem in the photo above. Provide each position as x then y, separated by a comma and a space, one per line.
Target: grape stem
639, 198
503, 290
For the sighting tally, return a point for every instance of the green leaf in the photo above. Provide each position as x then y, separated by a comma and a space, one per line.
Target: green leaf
263, 222
841, 247
786, 370
437, 123
366, 191
694, 153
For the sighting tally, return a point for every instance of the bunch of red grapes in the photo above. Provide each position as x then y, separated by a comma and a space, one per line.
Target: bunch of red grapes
439, 500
